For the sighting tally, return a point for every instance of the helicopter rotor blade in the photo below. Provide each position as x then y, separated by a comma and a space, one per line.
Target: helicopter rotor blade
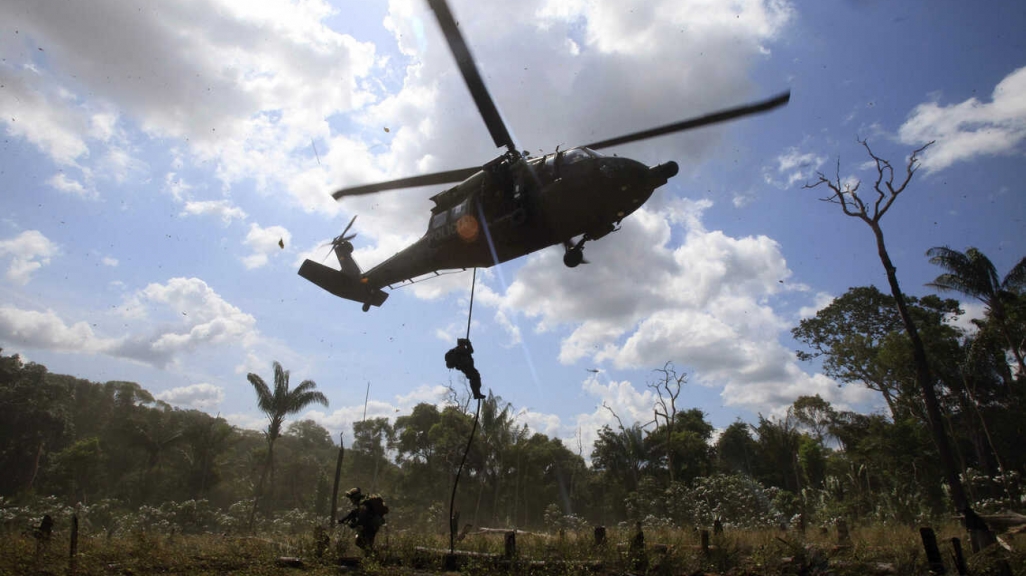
714, 118
410, 182
350, 225
476, 85
328, 253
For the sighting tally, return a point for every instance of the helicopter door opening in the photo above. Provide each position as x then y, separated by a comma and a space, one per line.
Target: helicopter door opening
458, 210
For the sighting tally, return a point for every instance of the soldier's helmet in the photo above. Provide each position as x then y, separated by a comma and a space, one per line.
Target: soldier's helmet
354, 495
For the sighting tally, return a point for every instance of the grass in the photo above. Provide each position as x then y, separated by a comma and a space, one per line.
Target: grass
875, 549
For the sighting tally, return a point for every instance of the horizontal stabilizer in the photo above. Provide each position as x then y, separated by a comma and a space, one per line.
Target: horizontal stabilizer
341, 285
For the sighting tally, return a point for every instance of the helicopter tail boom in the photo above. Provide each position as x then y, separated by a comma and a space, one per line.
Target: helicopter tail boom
342, 285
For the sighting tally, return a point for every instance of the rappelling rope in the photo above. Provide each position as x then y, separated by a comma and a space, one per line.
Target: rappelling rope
452, 499
470, 313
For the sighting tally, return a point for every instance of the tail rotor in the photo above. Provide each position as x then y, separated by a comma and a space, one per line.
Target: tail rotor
341, 243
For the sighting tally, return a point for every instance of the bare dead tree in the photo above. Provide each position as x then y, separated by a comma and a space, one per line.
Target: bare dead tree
667, 387
615, 415
871, 209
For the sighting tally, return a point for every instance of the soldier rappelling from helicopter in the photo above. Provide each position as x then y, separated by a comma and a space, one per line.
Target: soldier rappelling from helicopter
461, 358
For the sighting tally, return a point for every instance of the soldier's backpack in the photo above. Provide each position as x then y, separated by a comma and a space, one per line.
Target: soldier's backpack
377, 505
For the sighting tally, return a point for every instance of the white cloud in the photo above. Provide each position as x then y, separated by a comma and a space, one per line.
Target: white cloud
705, 303
821, 301
454, 330
60, 181
622, 398
742, 199
247, 86
222, 208
246, 421
201, 318
119, 163
253, 363
176, 186
40, 115
547, 424
972, 310
29, 251
199, 396
187, 315
793, 167
424, 393
510, 326
103, 126
971, 128
208, 317
109, 261
46, 330
264, 242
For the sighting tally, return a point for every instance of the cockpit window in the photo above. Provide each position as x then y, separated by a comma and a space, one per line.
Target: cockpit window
438, 220
576, 155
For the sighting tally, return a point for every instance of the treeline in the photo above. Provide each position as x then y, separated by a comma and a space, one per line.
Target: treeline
87, 442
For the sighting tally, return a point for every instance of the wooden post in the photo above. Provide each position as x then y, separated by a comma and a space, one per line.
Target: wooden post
600, 535
334, 490
933, 555
321, 540
636, 550
959, 557
704, 534
73, 554
843, 536
980, 535
511, 544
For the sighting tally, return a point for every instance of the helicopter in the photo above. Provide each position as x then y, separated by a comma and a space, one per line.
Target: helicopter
513, 205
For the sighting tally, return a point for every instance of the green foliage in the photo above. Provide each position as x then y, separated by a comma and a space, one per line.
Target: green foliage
739, 501
860, 338
130, 463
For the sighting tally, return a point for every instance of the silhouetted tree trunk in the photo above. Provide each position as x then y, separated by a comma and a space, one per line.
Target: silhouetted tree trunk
35, 466
870, 212
666, 406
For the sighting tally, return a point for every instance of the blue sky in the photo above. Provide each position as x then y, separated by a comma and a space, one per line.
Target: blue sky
153, 158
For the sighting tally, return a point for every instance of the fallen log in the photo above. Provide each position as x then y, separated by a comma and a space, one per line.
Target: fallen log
485, 531
458, 558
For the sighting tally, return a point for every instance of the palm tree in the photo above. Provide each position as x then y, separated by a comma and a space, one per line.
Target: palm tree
973, 274
277, 405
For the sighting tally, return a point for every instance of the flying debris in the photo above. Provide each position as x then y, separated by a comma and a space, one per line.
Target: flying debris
513, 205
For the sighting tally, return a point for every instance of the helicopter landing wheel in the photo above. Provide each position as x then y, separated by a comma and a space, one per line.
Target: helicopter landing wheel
573, 257
366, 306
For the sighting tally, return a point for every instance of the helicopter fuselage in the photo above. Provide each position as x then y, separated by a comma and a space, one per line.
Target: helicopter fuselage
512, 208
514, 205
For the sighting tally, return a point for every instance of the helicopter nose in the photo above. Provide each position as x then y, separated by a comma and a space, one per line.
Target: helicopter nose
663, 172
